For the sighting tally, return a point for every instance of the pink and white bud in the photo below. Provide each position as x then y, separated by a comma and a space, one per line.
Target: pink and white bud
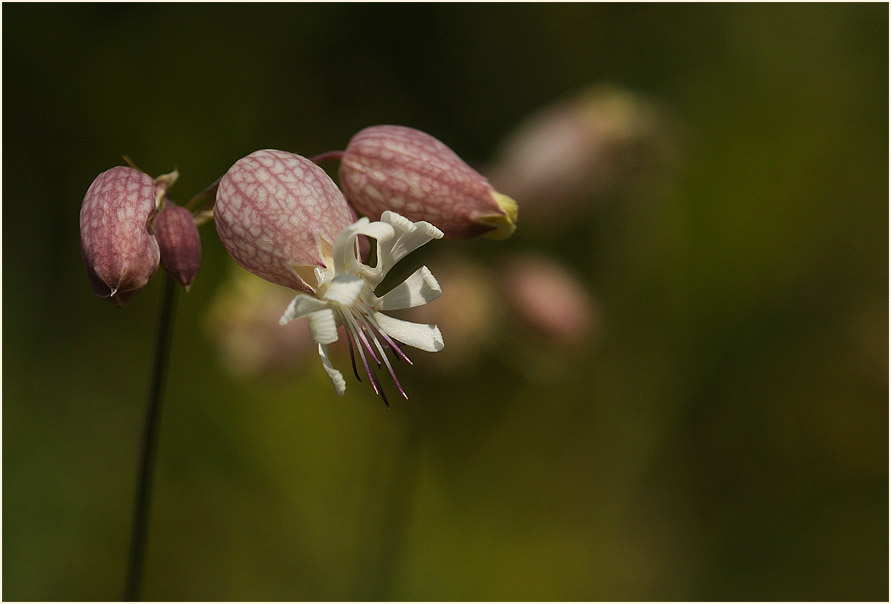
180, 244
409, 172
278, 214
119, 252
549, 300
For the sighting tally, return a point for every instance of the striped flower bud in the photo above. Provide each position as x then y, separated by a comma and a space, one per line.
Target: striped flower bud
180, 244
119, 252
411, 173
278, 214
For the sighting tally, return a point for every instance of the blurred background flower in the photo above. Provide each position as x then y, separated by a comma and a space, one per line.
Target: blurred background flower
720, 434
549, 300
577, 150
243, 322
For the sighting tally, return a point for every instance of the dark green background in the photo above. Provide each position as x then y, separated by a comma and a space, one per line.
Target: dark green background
727, 438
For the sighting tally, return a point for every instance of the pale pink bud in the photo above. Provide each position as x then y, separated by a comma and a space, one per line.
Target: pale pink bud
278, 214
180, 244
119, 252
411, 173
549, 300
575, 150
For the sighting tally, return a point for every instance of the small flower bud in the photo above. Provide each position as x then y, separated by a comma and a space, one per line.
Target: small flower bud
410, 172
278, 214
180, 244
119, 252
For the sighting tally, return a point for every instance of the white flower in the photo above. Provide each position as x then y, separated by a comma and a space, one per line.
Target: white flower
345, 296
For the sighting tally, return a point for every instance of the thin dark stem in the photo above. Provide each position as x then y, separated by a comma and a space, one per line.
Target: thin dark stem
149, 441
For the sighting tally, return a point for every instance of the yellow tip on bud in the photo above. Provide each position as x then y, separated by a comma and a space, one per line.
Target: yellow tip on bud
505, 224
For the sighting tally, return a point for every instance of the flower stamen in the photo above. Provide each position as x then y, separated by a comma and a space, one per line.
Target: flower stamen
360, 325
368, 372
353, 358
393, 345
387, 363
352, 324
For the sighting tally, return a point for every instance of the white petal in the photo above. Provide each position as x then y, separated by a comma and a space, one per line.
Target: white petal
336, 377
419, 289
409, 237
422, 337
323, 326
345, 289
301, 306
345, 246
345, 260
379, 230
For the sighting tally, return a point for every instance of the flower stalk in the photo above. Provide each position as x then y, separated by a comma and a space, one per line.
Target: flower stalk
151, 426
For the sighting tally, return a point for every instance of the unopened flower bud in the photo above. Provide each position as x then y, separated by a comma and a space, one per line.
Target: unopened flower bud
410, 172
180, 244
119, 252
278, 214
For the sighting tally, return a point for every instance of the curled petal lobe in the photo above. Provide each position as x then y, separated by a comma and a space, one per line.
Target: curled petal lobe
336, 377
409, 237
345, 260
345, 290
419, 289
417, 335
301, 306
323, 326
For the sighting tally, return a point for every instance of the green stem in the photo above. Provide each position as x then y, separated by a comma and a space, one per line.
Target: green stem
149, 441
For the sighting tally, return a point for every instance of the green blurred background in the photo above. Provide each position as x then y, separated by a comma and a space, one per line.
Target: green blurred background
725, 437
